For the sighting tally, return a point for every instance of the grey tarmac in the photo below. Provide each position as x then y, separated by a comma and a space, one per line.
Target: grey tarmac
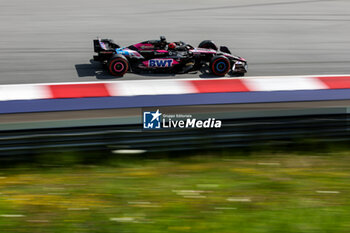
45, 41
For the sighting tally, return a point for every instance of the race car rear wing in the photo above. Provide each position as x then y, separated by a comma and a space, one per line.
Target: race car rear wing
104, 48
99, 46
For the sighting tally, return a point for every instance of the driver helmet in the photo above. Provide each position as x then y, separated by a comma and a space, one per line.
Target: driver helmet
172, 45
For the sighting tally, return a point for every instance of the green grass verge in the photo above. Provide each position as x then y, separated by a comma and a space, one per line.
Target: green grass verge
226, 193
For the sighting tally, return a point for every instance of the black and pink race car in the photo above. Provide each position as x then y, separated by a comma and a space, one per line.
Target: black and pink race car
159, 56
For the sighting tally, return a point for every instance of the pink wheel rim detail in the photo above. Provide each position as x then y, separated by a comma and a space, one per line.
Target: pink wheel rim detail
115, 66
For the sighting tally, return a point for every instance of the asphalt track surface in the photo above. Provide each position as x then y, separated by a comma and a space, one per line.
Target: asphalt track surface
45, 41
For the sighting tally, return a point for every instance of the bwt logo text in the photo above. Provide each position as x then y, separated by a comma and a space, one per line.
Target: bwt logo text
160, 63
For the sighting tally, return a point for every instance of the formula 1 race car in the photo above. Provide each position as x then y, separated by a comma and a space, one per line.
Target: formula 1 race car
161, 56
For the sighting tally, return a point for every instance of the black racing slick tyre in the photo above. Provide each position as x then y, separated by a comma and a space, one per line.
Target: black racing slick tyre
118, 65
208, 44
220, 65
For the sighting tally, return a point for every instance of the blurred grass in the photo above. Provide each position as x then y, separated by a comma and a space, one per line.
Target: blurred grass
225, 191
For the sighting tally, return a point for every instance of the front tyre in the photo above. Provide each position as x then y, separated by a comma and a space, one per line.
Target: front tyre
220, 65
118, 66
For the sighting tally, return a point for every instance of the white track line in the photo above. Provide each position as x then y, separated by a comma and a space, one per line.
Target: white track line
150, 87
24, 92
284, 84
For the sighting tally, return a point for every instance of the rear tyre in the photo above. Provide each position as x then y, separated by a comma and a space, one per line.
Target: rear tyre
220, 65
208, 44
118, 65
